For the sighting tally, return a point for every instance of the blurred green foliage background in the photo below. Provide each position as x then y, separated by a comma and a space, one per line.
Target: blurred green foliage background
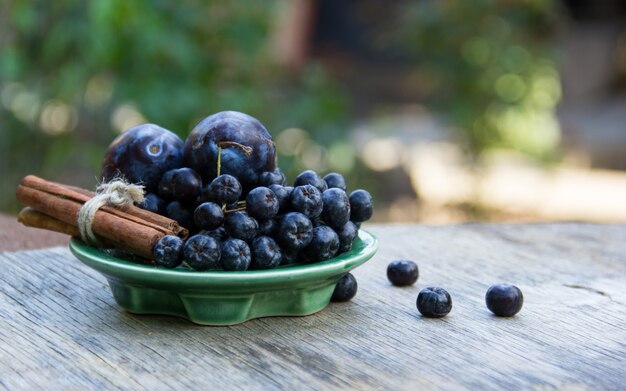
75, 73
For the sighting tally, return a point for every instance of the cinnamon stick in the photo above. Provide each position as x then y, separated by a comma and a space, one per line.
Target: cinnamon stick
121, 228
33, 218
82, 195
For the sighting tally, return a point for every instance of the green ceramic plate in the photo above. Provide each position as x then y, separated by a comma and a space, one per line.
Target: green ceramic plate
224, 298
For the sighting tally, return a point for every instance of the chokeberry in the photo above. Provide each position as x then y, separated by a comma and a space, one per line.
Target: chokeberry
335, 180
307, 199
182, 184
336, 207
324, 244
283, 194
208, 215
218, 233
433, 302
290, 257
361, 206
346, 234
266, 253
295, 231
402, 272
235, 255
175, 210
202, 252
504, 299
240, 225
310, 177
262, 203
269, 178
224, 189
168, 251
268, 227
153, 203
345, 289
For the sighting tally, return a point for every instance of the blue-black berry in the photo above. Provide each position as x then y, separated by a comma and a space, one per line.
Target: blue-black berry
266, 253
310, 177
202, 252
153, 203
295, 231
269, 178
240, 225
345, 289
324, 244
335, 180
268, 227
168, 251
346, 235
402, 272
208, 215
336, 207
262, 203
175, 210
307, 200
235, 255
504, 299
433, 302
283, 195
182, 184
361, 206
224, 189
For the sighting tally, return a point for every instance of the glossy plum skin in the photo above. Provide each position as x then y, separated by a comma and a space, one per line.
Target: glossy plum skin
247, 148
504, 300
142, 154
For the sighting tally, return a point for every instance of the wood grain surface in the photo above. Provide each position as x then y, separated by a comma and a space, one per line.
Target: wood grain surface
61, 329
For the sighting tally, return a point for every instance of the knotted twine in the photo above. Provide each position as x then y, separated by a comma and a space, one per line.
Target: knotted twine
117, 193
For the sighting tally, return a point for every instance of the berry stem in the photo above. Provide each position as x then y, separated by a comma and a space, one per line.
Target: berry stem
238, 209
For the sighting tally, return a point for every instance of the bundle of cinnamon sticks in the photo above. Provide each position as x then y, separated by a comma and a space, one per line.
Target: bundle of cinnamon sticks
55, 207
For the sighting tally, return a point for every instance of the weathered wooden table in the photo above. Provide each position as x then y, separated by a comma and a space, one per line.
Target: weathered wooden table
60, 328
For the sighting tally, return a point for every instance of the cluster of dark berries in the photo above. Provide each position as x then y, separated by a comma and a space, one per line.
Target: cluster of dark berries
434, 302
273, 224
222, 183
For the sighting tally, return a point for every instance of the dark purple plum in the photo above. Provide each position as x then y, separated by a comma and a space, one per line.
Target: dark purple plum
247, 149
142, 155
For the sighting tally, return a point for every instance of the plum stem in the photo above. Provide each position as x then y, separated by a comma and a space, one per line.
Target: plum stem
246, 149
219, 160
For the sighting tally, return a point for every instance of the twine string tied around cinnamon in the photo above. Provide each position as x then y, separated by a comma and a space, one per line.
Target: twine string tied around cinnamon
117, 193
